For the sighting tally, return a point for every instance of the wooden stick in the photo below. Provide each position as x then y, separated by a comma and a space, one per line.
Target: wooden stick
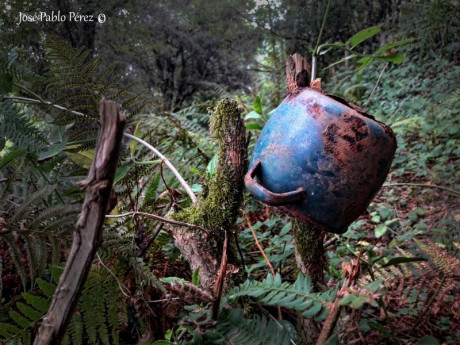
88, 230
272, 270
269, 264
220, 280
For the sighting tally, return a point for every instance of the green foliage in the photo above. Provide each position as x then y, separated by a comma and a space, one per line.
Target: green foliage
12, 73
275, 234
78, 81
400, 284
28, 226
16, 127
255, 331
298, 296
97, 318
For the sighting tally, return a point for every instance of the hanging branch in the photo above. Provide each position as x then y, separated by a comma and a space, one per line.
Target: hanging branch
167, 162
157, 217
88, 230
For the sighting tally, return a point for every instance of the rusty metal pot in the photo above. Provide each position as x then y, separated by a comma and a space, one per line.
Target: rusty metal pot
321, 159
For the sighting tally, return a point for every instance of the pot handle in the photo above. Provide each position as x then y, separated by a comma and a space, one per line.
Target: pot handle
267, 197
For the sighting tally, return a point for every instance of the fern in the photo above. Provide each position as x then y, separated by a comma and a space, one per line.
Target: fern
80, 82
12, 73
418, 294
297, 296
96, 318
256, 331
17, 128
29, 225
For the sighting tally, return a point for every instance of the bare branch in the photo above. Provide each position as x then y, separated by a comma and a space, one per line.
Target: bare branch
88, 230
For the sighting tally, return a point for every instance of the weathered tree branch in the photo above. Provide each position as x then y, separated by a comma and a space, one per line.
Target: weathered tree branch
217, 209
88, 230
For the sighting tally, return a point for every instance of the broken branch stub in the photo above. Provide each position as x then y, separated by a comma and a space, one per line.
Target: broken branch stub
297, 73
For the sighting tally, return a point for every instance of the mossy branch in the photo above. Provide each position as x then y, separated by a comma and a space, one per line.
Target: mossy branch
217, 209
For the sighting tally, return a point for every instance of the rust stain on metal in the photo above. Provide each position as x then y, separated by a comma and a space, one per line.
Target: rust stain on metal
323, 159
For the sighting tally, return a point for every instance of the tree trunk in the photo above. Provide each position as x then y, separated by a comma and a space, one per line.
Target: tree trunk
219, 205
309, 254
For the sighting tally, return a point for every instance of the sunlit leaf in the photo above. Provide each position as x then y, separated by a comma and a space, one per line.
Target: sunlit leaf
363, 35
252, 115
380, 230
402, 260
82, 158
395, 58
253, 126
393, 45
212, 165
258, 105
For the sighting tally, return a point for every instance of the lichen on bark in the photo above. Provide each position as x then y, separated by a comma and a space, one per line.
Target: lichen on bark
217, 209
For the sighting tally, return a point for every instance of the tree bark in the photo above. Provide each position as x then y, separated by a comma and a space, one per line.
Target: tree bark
88, 230
217, 209
310, 258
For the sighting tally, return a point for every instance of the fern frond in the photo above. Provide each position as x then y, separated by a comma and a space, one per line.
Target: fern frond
297, 296
16, 127
79, 81
256, 331
32, 314
447, 263
16, 257
40, 303
46, 287
51, 213
144, 275
34, 198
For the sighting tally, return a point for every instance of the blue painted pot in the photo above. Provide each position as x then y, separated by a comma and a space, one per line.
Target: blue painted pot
320, 159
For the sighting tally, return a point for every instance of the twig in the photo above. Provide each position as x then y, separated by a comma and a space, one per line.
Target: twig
164, 300
330, 242
235, 236
259, 246
220, 280
154, 216
315, 52
152, 239
31, 100
375, 86
120, 285
280, 316
167, 162
422, 185
334, 313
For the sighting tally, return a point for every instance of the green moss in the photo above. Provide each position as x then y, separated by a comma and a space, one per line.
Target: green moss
309, 245
219, 208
